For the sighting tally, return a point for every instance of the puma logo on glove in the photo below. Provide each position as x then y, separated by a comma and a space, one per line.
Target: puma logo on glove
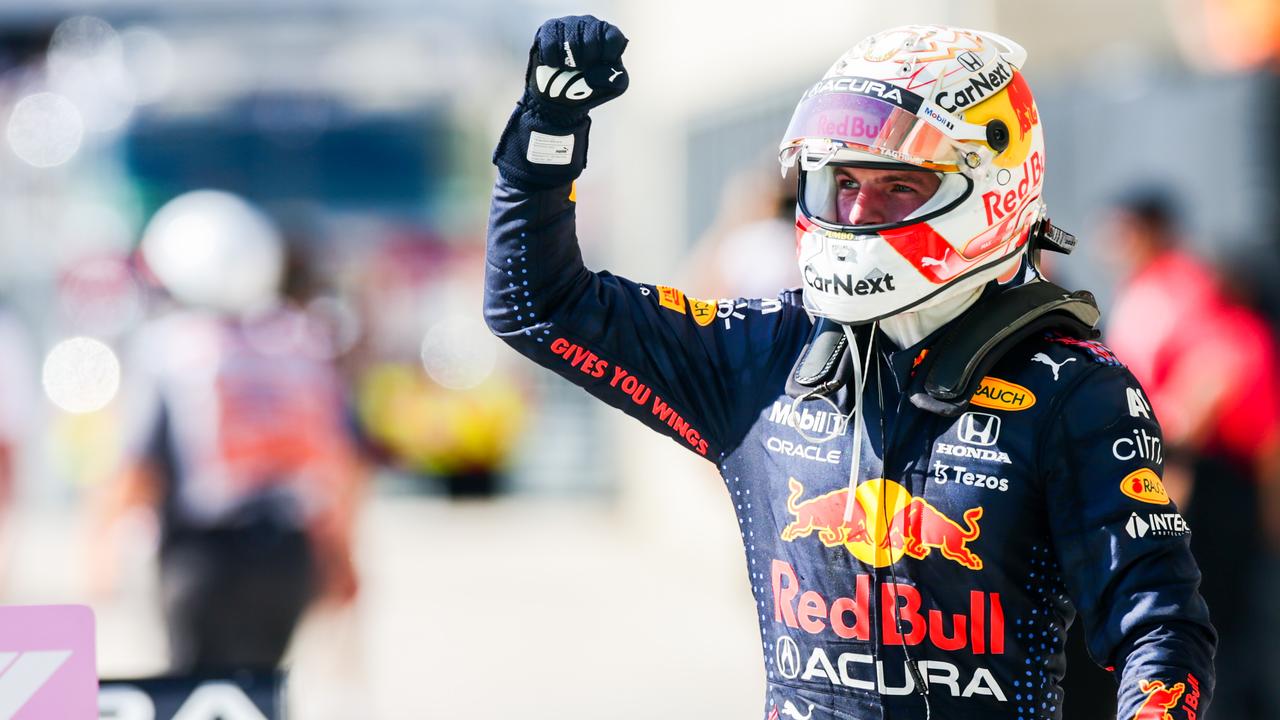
575, 65
554, 82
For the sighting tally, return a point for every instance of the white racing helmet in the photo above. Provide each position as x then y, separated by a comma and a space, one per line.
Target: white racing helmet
214, 250
935, 98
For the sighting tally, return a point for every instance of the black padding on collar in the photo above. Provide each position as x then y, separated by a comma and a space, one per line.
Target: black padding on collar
958, 362
824, 363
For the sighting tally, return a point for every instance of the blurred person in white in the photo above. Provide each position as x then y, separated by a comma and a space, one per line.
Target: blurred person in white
237, 440
749, 250
981, 422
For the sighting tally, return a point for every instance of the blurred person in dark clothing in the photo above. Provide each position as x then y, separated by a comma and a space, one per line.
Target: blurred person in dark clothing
1211, 370
237, 440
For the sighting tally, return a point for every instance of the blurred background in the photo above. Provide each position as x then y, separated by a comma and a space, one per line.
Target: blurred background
485, 542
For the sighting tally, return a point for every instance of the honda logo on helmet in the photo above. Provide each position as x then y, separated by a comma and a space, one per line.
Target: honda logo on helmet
979, 429
970, 61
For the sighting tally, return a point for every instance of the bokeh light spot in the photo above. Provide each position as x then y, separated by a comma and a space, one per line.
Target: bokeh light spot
81, 375
459, 353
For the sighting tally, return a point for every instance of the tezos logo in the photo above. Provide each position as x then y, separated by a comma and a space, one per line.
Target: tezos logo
837, 284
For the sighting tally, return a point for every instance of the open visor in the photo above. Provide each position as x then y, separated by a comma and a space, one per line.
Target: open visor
861, 122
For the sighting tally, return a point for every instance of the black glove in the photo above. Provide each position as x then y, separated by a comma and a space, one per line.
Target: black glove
575, 64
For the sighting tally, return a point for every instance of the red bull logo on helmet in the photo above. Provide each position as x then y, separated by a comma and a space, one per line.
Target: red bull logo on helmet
881, 523
1023, 103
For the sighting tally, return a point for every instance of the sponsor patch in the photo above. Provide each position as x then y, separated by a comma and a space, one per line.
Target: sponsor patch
980, 86
876, 282
703, 311
881, 523
1056, 367
893, 94
1141, 446
979, 429
1000, 394
973, 453
671, 298
1159, 701
779, 446
1159, 524
943, 474
637, 392
1138, 405
1144, 485
789, 710
1004, 205
902, 614
816, 426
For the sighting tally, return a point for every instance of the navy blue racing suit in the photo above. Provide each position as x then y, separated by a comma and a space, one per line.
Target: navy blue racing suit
970, 543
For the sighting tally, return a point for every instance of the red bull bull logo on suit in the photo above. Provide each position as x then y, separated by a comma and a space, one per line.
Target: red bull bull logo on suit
881, 524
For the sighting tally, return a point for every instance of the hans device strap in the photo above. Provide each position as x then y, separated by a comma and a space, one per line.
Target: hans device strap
958, 362
982, 336
824, 364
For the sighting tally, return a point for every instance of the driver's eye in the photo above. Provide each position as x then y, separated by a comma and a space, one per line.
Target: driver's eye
848, 184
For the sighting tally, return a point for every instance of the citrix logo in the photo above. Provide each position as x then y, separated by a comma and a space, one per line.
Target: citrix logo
557, 82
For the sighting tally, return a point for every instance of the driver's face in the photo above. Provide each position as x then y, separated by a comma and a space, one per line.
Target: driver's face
866, 196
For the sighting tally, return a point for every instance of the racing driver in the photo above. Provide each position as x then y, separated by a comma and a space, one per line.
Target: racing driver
935, 467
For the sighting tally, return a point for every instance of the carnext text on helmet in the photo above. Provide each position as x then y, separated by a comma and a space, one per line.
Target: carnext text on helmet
844, 284
980, 85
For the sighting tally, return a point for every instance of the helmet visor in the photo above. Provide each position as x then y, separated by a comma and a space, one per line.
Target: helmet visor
861, 122
828, 193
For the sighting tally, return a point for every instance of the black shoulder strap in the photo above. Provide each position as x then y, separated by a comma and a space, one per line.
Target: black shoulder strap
958, 362
824, 363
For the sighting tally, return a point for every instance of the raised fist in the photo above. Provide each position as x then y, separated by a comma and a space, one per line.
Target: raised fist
575, 64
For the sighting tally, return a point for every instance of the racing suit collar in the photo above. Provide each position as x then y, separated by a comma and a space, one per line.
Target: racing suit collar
905, 361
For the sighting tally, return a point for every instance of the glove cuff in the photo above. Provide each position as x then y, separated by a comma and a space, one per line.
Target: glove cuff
540, 150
